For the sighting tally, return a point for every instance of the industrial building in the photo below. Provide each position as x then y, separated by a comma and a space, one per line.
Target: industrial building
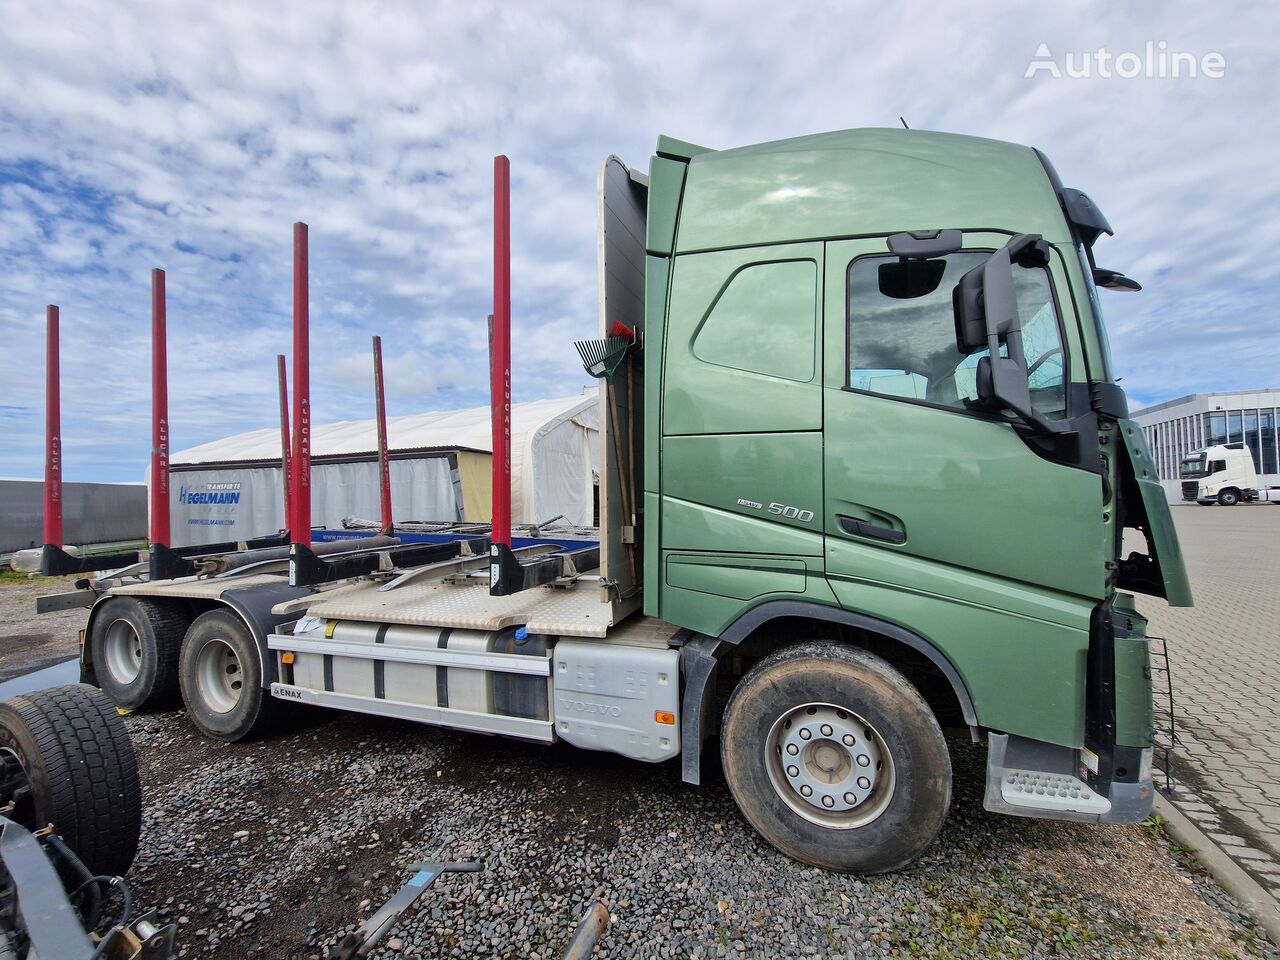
440, 464
1176, 427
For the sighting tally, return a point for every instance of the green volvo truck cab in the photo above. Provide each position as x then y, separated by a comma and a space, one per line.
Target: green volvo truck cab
888, 470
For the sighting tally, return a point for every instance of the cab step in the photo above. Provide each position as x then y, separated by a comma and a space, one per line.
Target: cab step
1027, 778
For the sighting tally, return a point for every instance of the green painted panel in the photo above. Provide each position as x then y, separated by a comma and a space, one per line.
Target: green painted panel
967, 492
652, 554
775, 479
666, 179
738, 578
695, 526
657, 270
1134, 717
711, 614
1025, 674
864, 183
760, 294
679, 149
1164, 538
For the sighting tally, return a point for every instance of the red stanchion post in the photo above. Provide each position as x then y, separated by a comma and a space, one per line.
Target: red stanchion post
285, 454
500, 557
52, 433
300, 522
384, 463
159, 527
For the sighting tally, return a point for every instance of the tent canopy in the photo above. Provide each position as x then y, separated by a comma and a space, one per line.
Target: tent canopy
555, 460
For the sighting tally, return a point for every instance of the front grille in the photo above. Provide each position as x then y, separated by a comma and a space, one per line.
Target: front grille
1189, 489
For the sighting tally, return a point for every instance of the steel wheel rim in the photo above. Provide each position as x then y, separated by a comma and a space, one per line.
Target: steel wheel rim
830, 765
123, 649
219, 675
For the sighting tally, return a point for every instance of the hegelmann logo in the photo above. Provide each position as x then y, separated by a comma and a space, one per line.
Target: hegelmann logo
1155, 62
211, 493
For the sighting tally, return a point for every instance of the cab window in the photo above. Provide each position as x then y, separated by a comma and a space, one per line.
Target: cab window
902, 339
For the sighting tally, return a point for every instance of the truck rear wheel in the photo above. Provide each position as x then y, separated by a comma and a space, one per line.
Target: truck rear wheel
836, 759
67, 760
135, 652
1228, 498
221, 677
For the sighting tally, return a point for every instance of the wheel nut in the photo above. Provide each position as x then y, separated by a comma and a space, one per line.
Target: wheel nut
828, 802
807, 790
864, 783
792, 749
826, 729
848, 740
850, 799
793, 771
864, 760
804, 733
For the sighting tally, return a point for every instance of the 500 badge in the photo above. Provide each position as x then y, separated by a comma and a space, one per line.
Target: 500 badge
779, 510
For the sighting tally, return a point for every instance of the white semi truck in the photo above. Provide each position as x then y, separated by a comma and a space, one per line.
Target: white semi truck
1222, 474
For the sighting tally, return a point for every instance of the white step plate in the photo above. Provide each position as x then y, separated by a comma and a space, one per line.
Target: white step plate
1051, 791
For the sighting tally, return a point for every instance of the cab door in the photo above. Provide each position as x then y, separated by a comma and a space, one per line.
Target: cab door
928, 493
741, 474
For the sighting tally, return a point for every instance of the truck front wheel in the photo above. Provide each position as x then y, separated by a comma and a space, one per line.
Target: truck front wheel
1228, 498
221, 676
135, 645
836, 759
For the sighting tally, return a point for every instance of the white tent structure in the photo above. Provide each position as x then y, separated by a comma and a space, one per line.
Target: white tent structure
441, 464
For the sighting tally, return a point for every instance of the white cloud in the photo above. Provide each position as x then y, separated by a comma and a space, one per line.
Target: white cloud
157, 134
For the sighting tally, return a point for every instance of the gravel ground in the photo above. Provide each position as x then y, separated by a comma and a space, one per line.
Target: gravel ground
275, 849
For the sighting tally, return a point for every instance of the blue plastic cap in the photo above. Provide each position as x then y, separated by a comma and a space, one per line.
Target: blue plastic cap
522, 634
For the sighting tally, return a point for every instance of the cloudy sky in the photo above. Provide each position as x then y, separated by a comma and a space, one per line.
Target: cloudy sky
190, 137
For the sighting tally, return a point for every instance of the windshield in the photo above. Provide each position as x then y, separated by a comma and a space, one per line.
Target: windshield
1097, 310
1192, 467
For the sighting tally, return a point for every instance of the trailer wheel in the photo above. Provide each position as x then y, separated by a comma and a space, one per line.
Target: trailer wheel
1228, 497
836, 759
135, 652
67, 760
221, 677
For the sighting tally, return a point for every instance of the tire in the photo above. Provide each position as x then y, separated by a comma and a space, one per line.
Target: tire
882, 829
147, 678
221, 678
78, 760
1228, 498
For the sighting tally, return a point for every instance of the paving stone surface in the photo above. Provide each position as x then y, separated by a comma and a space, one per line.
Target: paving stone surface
1225, 655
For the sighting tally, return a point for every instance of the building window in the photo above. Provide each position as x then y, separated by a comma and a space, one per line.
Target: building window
1251, 437
1235, 429
1217, 429
1268, 418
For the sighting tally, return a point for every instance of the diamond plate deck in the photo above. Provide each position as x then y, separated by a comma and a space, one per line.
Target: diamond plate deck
192, 589
577, 611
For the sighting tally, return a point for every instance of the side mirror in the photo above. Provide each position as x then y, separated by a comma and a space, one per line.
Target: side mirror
986, 315
1114, 280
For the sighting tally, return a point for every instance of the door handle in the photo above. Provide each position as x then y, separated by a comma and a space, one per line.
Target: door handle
861, 528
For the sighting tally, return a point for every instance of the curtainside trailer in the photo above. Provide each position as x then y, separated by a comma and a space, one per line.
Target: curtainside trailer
865, 475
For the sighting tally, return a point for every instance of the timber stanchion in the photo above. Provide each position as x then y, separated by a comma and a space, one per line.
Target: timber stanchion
384, 464
504, 569
300, 496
